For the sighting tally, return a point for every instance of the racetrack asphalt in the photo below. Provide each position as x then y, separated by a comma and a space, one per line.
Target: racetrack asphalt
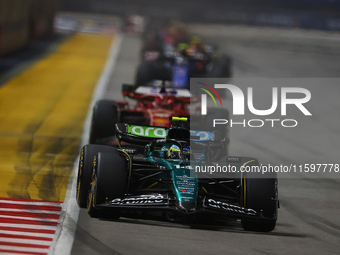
308, 220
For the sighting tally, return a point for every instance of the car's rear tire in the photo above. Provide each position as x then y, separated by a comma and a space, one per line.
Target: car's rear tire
149, 70
104, 118
109, 181
260, 194
144, 73
85, 170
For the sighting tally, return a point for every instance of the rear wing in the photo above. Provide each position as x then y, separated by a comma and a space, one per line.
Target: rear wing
142, 135
140, 92
138, 135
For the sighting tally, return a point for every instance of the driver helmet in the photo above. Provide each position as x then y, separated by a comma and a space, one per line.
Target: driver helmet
174, 152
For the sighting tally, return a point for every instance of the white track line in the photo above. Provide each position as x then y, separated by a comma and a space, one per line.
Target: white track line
28, 226
15, 241
28, 218
19, 253
63, 242
22, 249
29, 234
28, 211
31, 203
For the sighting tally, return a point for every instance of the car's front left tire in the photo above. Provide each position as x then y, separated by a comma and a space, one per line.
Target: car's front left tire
109, 181
85, 168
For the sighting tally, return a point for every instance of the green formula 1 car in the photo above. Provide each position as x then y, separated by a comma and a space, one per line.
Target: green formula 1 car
171, 175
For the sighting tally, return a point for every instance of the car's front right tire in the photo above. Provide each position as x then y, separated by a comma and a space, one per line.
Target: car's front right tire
260, 194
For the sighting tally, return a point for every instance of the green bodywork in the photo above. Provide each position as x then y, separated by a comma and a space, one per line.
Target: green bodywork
183, 175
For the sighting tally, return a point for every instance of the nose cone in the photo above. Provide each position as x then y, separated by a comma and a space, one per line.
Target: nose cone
187, 207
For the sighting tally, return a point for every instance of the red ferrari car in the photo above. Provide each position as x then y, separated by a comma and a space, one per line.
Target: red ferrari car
153, 107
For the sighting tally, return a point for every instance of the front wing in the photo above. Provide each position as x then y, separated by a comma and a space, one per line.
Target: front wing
161, 202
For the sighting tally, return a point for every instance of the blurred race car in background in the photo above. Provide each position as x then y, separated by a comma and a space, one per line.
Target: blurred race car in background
165, 178
171, 53
154, 105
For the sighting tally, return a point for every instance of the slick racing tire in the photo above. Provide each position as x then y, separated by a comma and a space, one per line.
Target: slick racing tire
108, 182
144, 73
260, 193
85, 170
221, 131
152, 70
104, 118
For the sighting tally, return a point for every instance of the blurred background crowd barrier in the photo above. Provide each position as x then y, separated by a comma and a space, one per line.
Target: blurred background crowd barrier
87, 23
22, 20
307, 14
